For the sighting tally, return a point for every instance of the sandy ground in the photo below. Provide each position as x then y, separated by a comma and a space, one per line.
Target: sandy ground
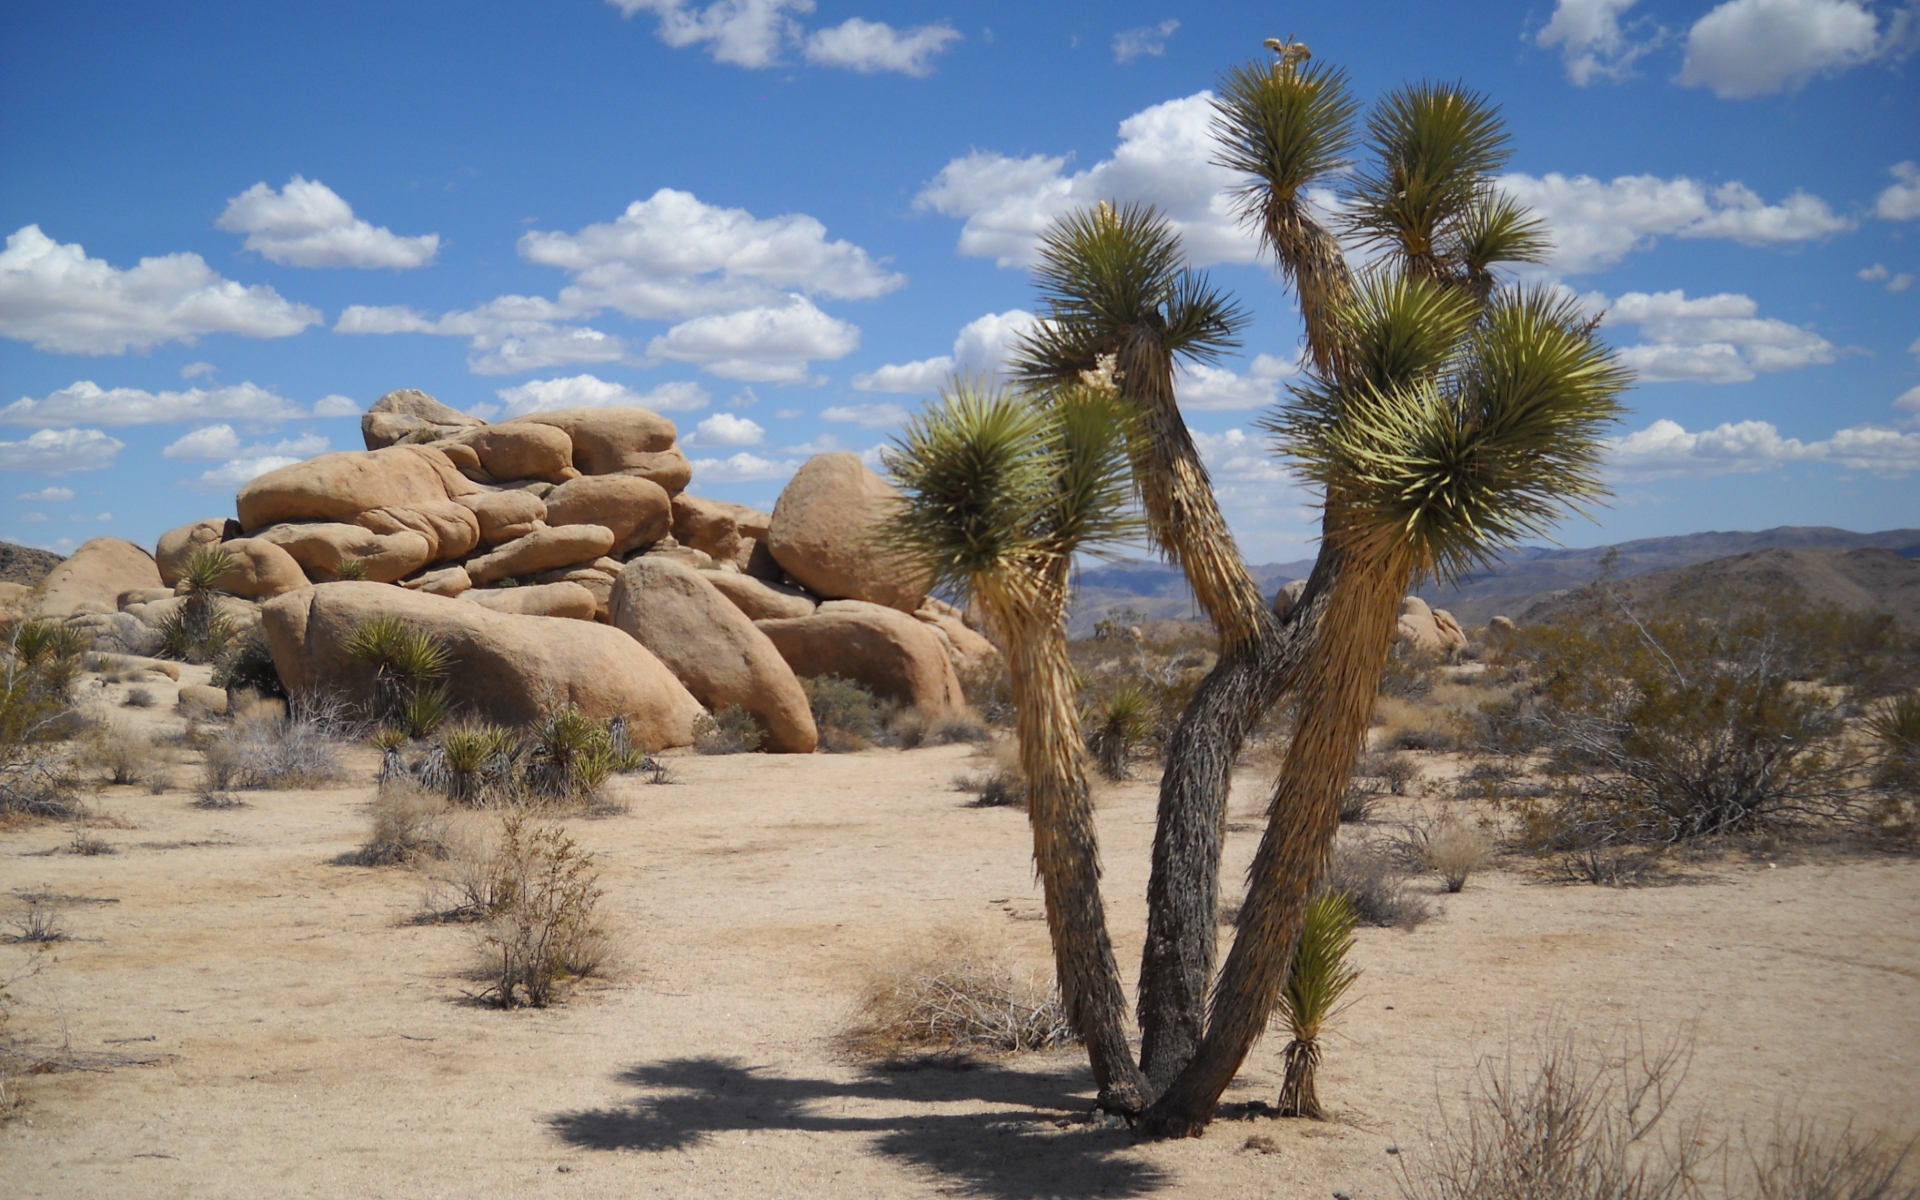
307, 1038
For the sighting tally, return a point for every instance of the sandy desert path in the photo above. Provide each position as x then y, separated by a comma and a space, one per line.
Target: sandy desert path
304, 1037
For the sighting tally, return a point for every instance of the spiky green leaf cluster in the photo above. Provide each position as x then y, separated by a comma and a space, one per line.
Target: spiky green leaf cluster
1472, 434
1434, 146
1286, 127
992, 476
1106, 274
1319, 977
396, 648
205, 566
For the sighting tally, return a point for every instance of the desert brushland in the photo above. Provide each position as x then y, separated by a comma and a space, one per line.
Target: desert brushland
234, 1012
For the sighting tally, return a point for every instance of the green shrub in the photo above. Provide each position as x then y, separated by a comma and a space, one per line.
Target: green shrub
848, 715
39, 662
247, 665
727, 730
1317, 982
1117, 724
543, 930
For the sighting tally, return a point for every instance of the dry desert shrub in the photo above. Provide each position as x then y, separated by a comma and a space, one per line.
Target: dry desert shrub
729, 729
1576, 1123
139, 698
1593, 1121
848, 715
1374, 887
38, 921
542, 931
1450, 847
956, 997
120, 755
269, 749
409, 826
910, 729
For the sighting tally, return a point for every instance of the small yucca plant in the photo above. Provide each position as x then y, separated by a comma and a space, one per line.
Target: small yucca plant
352, 570
478, 758
1317, 982
1896, 726
1116, 724
406, 661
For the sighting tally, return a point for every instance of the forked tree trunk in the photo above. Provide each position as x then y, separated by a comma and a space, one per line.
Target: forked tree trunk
1065, 853
1341, 675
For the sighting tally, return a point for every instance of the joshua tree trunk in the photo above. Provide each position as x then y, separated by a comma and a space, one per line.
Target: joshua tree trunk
1065, 853
1341, 672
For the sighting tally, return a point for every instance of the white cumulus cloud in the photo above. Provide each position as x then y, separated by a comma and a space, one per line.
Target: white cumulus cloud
1202, 388
214, 442
759, 345
672, 256
981, 349
60, 495
866, 416
1666, 449
1901, 200
60, 300
742, 468
307, 224
86, 401
336, 406
1908, 401
229, 475
755, 33
871, 46
744, 283
1711, 339
1592, 42
60, 451
588, 391
725, 429
1165, 158
1597, 223
1148, 40
1747, 48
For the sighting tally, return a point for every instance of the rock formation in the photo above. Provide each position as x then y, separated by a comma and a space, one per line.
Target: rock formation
560, 558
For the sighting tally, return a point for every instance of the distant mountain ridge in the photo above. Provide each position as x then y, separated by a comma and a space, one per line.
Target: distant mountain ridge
1520, 581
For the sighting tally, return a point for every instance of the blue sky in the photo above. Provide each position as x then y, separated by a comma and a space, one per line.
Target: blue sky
230, 227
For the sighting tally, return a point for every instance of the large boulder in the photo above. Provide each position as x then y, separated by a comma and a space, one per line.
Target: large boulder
725, 531
1287, 598
92, 580
523, 451
322, 548
620, 441
260, 571
542, 550
506, 668
339, 487
638, 511
447, 581
537, 600
507, 515
451, 528
177, 545
408, 413
1423, 633
825, 534
895, 655
713, 648
971, 653
760, 600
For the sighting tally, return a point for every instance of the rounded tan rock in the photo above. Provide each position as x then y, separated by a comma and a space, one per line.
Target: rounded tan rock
713, 648
170, 555
825, 533
542, 550
505, 668
638, 511
339, 487
96, 575
321, 547
895, 655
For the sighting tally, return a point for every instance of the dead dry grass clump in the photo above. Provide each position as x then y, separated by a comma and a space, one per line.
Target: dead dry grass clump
268, 749
409, 827
1375, 886
996, 783
956, 997
37, 922
1449, 846
1575, 1120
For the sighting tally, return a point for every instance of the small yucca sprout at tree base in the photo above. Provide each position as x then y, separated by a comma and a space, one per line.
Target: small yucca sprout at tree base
1317, 985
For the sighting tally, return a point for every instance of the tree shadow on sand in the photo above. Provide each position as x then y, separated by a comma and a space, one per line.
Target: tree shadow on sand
1039, 1141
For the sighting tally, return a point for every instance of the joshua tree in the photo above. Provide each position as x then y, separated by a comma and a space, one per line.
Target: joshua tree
1119, 306
1448, 420
1001, 490
200, 629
